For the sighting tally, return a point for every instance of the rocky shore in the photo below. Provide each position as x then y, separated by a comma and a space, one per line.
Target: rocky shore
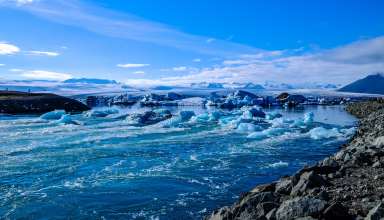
347, 185
13, 102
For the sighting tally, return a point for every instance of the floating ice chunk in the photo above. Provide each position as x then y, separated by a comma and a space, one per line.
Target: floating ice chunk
348, 131
170, 122
267, 133
307, 120
257, 135
247, 115
298, 123
102, 113
275, 131
320, 132
186, 115
66, 119
278, 122
250, 112
273, 115
53, 115
308, 117
214, 116
248, 127
194, 101
207, 117
182, 117
201, 117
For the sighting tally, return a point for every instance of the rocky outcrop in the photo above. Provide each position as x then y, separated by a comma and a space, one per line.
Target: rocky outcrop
347, 185
12, 102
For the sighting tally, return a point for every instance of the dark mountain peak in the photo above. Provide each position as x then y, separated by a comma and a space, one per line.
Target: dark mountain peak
373, 84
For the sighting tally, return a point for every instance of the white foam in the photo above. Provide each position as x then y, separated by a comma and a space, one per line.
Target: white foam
278, 164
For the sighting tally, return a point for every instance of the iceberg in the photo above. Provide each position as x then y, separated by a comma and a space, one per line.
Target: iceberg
207, 117
273, 115
53, 115
102, 113
66, 119
257, 135
267, 133
186, 115
308, 117
182, 117
248, 127
303, 122
149, 117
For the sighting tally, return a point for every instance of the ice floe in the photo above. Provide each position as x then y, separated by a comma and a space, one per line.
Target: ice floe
102, 113
320, 132
53, 115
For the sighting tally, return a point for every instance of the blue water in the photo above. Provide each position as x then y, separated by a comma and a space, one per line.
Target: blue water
104, 168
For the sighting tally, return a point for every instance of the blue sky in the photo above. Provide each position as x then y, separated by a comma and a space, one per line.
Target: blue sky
180, 42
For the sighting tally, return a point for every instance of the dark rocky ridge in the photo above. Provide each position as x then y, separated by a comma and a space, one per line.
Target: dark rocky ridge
347, 185
12, 102
373, 84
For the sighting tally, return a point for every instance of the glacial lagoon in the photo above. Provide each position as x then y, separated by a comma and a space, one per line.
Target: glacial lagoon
100, 165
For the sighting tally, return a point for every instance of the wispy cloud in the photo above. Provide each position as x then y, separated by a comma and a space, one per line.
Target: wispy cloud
15, 70
18, 2
342, 65
139, 72
8, 49
132, 65
210, 40
43, 53
2, 64
179, 68
196, 60
128, 26
43, 74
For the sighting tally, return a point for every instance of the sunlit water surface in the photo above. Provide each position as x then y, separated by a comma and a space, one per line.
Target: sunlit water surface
106, 169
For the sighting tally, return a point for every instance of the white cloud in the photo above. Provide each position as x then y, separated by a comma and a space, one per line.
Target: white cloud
18, 2
196, 60
43, 53
130, 27
340, 65
2, 64
139, 72
42, 74
8, 49
179, 68
210, 40
24, 1
15, 70
132, 65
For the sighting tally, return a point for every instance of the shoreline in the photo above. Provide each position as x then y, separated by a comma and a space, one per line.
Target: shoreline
346, 185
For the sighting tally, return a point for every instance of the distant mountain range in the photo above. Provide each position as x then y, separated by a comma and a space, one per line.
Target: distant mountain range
90, 81
373, 84
271, 85
213, 85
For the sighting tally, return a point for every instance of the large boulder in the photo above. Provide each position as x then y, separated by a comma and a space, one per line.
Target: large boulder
308, 180
300, 207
